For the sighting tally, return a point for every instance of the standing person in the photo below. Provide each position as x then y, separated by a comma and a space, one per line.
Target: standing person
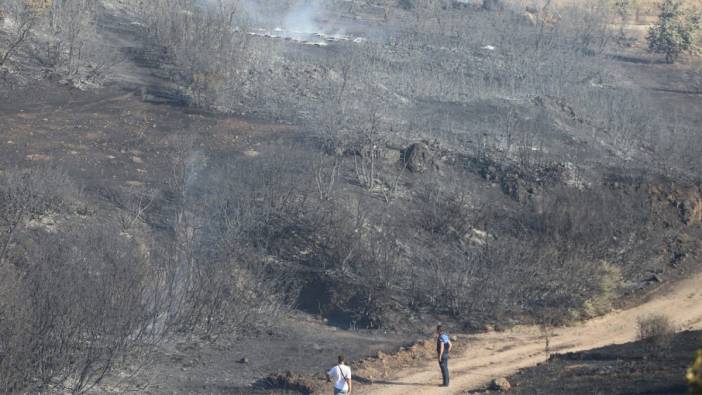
443, 346
340, 375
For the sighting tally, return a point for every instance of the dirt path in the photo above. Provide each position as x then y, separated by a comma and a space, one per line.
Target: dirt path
492, 355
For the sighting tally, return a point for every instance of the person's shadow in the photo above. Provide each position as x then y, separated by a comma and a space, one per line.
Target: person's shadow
364, 380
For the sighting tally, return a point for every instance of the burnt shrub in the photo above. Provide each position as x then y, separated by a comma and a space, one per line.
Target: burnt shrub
656, 331
75, 302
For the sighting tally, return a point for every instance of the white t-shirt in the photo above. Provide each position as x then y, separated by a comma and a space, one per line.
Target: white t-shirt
337, 374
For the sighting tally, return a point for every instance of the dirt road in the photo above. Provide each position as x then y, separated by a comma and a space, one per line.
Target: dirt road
493, 355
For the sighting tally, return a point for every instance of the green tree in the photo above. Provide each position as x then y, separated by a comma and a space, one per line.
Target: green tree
674, 32
694, 375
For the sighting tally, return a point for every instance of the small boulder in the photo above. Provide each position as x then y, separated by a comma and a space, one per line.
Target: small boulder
501, 385
417, 157
244, 360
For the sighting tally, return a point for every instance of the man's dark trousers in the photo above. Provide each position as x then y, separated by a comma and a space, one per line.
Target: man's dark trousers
443, 364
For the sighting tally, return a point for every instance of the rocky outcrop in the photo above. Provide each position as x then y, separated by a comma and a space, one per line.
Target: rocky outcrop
418, 157
686, 201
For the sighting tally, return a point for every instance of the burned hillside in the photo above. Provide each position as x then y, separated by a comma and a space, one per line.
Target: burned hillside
372, 166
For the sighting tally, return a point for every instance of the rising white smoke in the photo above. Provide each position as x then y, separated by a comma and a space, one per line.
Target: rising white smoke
302, 21
304, 18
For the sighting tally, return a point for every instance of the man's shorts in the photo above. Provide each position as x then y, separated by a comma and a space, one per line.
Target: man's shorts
340, 392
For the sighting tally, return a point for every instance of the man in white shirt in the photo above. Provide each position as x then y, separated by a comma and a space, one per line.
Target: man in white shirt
340, 375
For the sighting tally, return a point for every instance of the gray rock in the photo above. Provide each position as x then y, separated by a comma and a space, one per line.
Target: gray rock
654, 278
417, 157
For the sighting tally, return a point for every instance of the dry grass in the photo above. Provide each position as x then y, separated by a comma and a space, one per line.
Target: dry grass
645, 12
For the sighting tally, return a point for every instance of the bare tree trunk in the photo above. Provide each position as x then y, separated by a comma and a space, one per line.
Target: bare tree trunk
22, 34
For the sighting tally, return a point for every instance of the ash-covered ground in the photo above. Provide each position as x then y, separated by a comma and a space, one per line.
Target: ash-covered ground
365, 169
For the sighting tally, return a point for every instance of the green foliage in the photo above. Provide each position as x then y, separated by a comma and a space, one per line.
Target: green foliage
694, 375
674, 32
607, 290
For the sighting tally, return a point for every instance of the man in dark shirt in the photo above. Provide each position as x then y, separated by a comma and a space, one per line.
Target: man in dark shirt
443, 346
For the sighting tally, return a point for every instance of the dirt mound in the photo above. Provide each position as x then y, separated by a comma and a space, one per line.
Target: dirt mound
291, 382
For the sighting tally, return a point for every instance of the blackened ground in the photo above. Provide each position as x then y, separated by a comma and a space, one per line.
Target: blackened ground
110, 140
630, 369
300, 344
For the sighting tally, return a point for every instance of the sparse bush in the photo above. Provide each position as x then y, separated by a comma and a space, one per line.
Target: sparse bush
62, 36
25, 19
443, 211
30, 194
591, 26
624, 10
190, 32
75, 297
675, 31
656, 331
226, 236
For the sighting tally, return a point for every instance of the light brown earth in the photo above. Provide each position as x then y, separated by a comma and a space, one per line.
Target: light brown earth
492, 355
